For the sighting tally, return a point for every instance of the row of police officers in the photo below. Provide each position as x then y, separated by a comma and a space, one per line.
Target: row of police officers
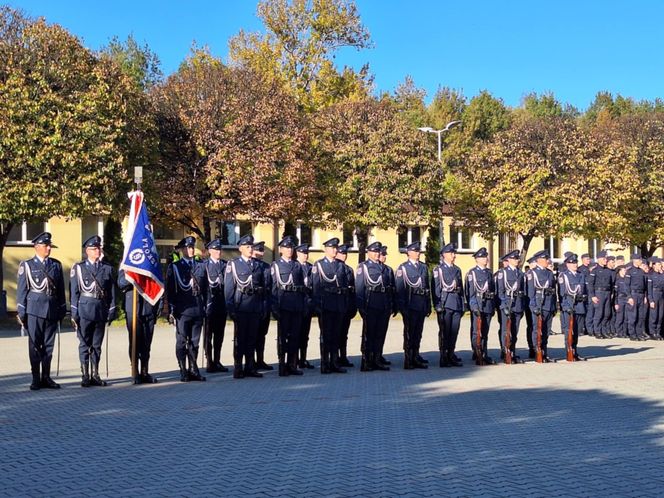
201, 295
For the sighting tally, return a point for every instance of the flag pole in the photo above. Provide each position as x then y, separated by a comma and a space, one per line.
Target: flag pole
134, 366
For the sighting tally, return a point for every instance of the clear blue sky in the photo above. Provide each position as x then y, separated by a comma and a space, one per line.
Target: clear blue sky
573, 48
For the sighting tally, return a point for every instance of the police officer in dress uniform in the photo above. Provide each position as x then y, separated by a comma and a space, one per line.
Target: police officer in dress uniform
656, 299
351, 306
600, 287
621, 293
584, 269
480, 294
499, 312
573, 297
186, 292
258, 253
374, 303
245, 286
511, 289
637, 303
302, 253
390, 285
414, 303
215, 310
447, 297
541, 289
288, 305
92, 301
40, 305
330, 289
146, 317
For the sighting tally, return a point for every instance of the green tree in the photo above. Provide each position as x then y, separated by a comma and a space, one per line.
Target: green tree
409, 100
138, 62
65, 123
298, 47
380, 170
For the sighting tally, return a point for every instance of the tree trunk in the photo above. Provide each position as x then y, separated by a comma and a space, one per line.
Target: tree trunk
207, 230
649, 248
362, 240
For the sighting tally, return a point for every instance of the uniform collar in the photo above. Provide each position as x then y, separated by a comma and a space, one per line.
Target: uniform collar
330, 260
43, 261
214, 260
246, 260
414, 262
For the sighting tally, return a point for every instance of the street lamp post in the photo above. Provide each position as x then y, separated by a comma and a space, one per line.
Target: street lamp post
428, 129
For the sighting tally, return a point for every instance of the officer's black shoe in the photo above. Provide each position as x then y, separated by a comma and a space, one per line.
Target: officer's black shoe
546, 359
253, 373
85, 375
408, 361
283, 370
384, 361
293, 370
454, 360
184, 375
305, 364
578, 357
444, 361
137, 380
49, 383
35, 386
211, 368
374, 359
531, 354
489, 361
261, 365
146, 378
238, 372
365, 364
95, 379
196, 376
421, 358
36, 381
220, 367
343, 362
417, 363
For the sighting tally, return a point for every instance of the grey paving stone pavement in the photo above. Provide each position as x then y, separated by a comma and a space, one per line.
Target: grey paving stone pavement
592, 428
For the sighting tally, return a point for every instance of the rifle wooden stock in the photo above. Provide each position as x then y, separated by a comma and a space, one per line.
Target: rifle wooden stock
478, 341
570, 336
508, 339
538, 354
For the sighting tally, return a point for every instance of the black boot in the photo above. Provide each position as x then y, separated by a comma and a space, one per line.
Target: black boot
250, 369
219, 367
365, 364
184, 375
146, 378
374, 358
260, 363
417, 363
238, 372
444, 361
46, 380
343, 359
283, 369
334, 364
36, 380
194, 372
408, 360
325, 362
384, 361
95, 379
292, 368
85, 374
454, 360
420, 358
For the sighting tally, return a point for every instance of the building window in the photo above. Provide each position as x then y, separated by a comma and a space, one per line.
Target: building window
462, 237
23, 233
594, 247
507, 242
408, 235
302, 231
552, 246
230, 231
162, 232
350, 236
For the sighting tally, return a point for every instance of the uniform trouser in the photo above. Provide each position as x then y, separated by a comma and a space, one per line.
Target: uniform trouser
602, 313
515, 321
144, 334
413, 324
375, 327
330, 323
499, 316
188, 337
214, 336
529, 329
305, 328
620, 321
479, 332
590, 318
41, 340
263, 327
288, 335
90, 338
449, 322
247, 327
636, 316
343, 335
577, 324
655, 318
546, 317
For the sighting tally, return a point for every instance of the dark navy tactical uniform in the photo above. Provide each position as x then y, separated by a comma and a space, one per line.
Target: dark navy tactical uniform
351, 310
186, 291
573, 296
146, 317
511, 289
264, 325
447, 290
330, 289
92, 300
414, 302
636, 312
40, 304
307, 314
374, 302
656, 303
480, 295
541, 288
600, 285
621, 293
288, 306
245, 288
215, 310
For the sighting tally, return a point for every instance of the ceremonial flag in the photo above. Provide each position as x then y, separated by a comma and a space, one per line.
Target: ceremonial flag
140, 261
